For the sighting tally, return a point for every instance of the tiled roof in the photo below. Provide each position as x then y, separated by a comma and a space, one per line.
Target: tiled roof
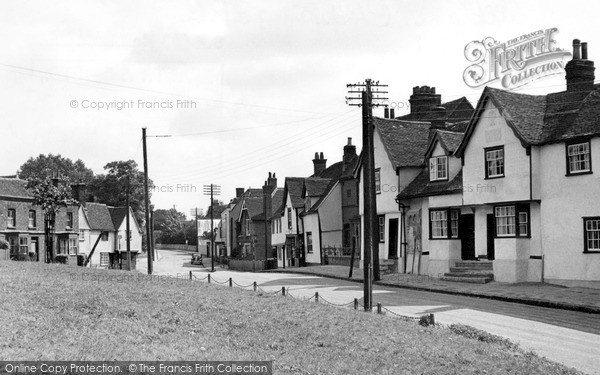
422, 187
254, 206
333, 171
294, 186
277, 202
543, 119
13, 187
315, 187
330, 186
451, 140
456, 110
98, 216
404, 141
118, 215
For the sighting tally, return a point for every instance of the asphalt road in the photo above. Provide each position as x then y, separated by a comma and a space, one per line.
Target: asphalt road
568, 337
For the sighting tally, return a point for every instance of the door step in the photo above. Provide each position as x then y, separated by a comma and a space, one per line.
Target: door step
471, 271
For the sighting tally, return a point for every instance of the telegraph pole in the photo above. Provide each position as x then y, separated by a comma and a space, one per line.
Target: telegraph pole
371, 230
127, 236
212, 190
149, 247
197, 242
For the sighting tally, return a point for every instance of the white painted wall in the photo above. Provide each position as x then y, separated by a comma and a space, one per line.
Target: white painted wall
311, 224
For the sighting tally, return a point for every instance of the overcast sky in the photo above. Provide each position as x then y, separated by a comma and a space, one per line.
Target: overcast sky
265, 81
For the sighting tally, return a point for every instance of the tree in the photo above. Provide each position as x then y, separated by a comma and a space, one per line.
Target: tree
169, 226
218, 207
111, 188
46, 165
51, 195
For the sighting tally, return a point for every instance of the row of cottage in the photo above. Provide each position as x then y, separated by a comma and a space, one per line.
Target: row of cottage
509, 184
87, 228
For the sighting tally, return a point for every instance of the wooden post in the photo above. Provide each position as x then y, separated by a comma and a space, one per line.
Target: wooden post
254, 286
209, 278
283, 291
378, 307
190, 275
149, 247
355, 302
230, 282
316, 296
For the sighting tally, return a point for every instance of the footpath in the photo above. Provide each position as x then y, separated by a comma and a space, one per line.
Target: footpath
537, 294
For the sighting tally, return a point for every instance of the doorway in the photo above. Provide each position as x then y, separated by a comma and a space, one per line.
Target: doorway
393, 239
491, 232
467, 236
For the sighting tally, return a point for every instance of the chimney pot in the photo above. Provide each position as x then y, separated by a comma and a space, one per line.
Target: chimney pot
349, 141
576, 49
316, 155
321, 156
584, 55
392, 113
386, 112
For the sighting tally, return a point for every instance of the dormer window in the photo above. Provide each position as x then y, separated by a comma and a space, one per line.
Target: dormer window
438, 168
579, 158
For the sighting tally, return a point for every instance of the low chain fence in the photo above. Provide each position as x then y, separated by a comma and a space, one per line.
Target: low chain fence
425, 320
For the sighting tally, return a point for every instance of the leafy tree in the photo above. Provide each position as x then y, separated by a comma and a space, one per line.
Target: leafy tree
52, 195
45, 165
218, 207
169, 226
111, 188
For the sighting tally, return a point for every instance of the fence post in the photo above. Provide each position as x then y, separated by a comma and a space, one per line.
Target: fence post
209, 278
190, 275
230, 282
316, 296
254, 286
378, 307
431, 319
283, 291
356, 304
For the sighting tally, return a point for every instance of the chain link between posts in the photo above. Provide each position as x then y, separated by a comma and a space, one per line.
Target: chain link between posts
318, 299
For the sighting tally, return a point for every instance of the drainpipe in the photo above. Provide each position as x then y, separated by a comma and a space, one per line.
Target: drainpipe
402, 207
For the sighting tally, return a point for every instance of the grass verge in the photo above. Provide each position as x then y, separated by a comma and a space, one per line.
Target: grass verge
58, 312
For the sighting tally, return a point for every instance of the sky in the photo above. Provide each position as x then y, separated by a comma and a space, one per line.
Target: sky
242, 88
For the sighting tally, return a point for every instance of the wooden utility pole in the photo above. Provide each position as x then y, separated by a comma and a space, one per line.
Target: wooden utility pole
149, 247
127, 229
212, 190
371, 243
197, 242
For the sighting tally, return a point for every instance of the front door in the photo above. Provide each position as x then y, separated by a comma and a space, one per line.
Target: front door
467, 236
393, 239
491, 228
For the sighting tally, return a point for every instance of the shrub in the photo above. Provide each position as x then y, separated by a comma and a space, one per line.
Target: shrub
81, 259
62, 258
4, 245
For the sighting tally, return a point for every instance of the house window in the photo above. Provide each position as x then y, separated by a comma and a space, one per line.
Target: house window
72, 246
579, 158
81, 235
23, 245
377, 181
309, 244
381, 228
289, 217
104, 259
104, 236
439, 225
512, 221
69, 220
591, 230
12, 242
247, 226
438, 168
494, 162
11, 220
62, 247
32, 219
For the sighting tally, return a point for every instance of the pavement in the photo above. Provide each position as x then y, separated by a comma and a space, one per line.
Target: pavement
536, 294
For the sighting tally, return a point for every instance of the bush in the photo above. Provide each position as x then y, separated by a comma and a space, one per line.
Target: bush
81, 259
62, 258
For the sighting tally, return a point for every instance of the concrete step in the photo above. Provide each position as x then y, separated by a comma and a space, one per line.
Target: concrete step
475, 274
472, 280
475, 264
470, 270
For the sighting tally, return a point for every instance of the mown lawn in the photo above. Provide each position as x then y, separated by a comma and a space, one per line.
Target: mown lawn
58, 312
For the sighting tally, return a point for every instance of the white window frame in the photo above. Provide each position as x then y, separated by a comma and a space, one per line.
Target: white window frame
381, 220
104, 259
591, 228
309, 243
32, 220
494, 162
579, 158
438, 168
378, 181
439, 223
11, 220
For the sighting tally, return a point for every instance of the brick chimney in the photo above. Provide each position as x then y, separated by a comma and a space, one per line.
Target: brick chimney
423, 99
438, 121
239, 192
77, 191
272, 181
580, 70
319, 163
349, 154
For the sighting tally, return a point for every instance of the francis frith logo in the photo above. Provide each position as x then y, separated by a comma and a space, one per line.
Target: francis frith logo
516, 62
